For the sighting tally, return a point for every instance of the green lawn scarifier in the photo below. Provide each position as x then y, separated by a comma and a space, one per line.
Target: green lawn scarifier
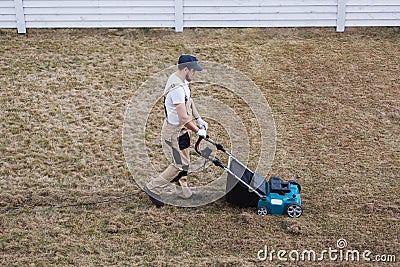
245, 188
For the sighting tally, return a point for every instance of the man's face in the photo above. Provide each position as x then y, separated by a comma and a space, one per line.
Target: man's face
190, 74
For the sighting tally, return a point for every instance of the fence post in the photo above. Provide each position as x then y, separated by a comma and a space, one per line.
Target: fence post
19, 13
179, 15
341, 16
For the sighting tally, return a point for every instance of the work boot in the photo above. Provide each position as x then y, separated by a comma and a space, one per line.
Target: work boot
154, 197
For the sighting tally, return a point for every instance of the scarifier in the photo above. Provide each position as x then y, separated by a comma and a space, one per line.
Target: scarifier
245, 188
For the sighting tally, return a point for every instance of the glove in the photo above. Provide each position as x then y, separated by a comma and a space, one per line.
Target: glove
202, 133
203, 124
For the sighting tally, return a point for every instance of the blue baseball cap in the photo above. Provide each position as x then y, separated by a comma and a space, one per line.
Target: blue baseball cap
190, 62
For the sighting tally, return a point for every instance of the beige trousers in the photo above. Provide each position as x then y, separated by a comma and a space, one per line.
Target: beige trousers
177, 140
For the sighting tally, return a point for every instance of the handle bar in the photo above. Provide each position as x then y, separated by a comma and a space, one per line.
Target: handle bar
205, 153
207, 138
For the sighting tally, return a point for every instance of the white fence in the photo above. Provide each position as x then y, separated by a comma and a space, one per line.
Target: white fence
178, 14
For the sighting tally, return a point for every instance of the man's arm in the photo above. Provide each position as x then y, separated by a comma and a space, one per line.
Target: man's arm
184, 118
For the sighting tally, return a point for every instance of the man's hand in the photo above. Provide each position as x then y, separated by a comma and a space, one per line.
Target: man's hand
202, 124
202, 133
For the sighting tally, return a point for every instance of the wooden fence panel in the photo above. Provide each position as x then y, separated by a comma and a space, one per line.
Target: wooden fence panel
373, 13
8, 17
178, 14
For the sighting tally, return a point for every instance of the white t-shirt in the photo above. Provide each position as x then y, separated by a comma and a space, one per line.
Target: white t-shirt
180, 93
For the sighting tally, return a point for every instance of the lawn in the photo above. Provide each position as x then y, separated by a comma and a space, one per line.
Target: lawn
335, 100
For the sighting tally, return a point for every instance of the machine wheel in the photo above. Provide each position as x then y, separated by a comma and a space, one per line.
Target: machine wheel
262, 211
294, 210
295, 183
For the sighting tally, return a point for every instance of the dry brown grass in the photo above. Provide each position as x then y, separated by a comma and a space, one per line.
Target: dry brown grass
336, 103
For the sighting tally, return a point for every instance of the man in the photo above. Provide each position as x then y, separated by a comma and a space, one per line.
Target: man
180, 110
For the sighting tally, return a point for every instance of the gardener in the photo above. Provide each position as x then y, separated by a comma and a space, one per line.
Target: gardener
179, 110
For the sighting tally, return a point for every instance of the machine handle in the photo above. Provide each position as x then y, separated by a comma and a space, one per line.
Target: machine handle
207, 138
205, 153
197, 145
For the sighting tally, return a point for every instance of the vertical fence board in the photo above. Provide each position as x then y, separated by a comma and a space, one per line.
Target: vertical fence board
341, 16
178, 15
19, 13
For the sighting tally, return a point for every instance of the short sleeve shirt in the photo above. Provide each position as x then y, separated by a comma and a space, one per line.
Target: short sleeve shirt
179, 93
